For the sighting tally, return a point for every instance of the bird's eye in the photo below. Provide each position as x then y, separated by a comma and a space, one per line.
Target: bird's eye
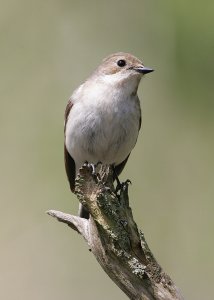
121, 63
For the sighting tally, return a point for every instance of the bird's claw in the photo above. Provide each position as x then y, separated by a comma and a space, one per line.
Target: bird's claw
93, 167
122, 186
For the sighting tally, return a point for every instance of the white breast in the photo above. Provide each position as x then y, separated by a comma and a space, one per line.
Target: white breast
102, 125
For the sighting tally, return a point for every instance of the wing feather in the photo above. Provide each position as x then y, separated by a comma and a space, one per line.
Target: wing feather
69, 162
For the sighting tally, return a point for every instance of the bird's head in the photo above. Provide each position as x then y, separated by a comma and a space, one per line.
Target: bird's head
122, 68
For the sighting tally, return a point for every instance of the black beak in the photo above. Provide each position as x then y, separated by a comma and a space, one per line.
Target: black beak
143, 70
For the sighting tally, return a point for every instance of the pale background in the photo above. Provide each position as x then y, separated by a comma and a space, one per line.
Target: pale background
47, 48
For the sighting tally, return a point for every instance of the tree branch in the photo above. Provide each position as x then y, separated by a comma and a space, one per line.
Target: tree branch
114, 239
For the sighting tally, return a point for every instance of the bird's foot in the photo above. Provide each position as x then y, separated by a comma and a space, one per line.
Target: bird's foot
93, 168
122, 186
126, 183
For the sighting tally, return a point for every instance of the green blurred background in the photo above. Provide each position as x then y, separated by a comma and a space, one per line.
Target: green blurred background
47, 49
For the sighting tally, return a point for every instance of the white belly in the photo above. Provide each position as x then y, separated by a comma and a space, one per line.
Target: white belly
101, 133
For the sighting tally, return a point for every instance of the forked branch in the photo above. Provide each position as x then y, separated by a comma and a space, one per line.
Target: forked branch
114, 239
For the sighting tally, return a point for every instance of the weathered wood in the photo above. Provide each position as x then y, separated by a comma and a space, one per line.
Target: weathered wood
114, 239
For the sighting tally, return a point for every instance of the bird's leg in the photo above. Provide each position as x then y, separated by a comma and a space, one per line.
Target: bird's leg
120, 185
94, 167
95, 171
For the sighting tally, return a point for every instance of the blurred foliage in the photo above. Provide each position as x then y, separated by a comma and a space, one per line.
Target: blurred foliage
47, 49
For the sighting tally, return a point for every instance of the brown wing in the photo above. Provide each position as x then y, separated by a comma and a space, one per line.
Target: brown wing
69, 162
119, 168
67, 111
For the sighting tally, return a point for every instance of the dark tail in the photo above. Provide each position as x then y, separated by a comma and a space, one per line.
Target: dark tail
83, 212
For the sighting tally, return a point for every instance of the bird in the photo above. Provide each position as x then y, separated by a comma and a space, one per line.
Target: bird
103, 117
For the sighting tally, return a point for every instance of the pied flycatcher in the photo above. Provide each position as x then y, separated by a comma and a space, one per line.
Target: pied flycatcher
103, 117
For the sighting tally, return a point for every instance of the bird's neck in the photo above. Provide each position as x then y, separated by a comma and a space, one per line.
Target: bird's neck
125, 87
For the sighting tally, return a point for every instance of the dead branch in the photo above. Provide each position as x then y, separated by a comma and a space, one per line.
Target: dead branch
114, 239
